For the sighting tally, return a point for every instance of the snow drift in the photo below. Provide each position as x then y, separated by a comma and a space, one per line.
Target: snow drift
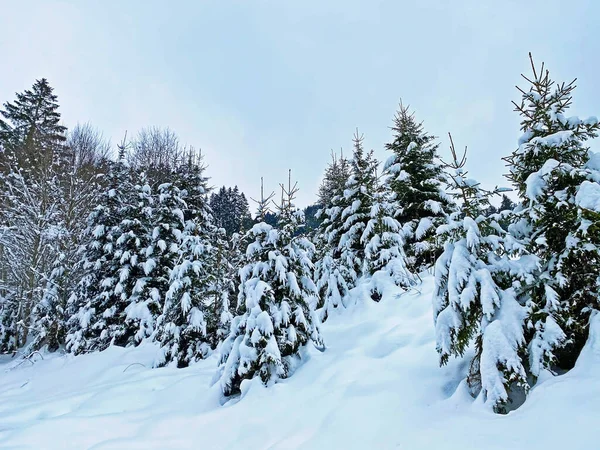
377, 386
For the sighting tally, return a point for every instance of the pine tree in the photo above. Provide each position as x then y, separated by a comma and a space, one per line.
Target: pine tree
475, 301
275, 302
555, 177
193, 184
416, 179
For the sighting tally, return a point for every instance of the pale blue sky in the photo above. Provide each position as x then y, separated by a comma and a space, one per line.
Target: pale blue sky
263, 86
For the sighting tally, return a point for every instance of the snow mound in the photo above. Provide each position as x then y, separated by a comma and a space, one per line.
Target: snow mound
377, 386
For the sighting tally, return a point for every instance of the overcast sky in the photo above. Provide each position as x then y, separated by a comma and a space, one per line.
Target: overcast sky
263, 86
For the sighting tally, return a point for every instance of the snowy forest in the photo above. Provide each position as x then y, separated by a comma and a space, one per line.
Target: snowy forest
118, 246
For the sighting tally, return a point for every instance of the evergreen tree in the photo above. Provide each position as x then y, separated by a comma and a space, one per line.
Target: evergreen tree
188, 325
182, 328
93, 304
193, 184
358, 195
312, 219
275, 302
416, 180
506, 204
31, 223
230, 209
31, 130
333, 275
335, 178
475, 301
555, 178
160, 258
383, 241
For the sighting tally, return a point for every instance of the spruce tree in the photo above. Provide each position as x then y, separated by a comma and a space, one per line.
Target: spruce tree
359, 194
383, 241
416, 179
276, 317
182, 327
160, 258
475, 300
554, 177
188, 325
334, 278
31, 130
335, 178
92, 306
230, 210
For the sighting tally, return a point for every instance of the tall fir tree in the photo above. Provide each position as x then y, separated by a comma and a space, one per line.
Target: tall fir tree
416, 179
230, 209
334, 276
334, 179
31, 131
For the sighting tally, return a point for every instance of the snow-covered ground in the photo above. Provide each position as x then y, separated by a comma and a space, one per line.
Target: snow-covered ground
377, 386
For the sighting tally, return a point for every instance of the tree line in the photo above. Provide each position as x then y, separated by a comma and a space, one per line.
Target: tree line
98, 250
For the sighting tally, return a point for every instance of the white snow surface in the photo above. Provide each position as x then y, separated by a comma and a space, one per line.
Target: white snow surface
376, 386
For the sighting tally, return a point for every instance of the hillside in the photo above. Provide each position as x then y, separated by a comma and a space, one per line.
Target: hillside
377, 385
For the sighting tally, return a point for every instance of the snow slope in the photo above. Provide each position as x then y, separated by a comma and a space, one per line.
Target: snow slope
377, 386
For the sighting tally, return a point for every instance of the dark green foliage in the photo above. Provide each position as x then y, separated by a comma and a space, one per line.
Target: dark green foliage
230, 210
31, 130
548, 170
416, 179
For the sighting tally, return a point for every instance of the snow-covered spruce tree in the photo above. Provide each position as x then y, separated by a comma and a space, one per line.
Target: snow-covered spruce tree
160, 257
230, 209
330, 274
416, 179
187, 328
558, 218
358, 195
334, 180
224, 285
383, 241
474, 301
192, 182
276, 319
92, 305
182, 327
